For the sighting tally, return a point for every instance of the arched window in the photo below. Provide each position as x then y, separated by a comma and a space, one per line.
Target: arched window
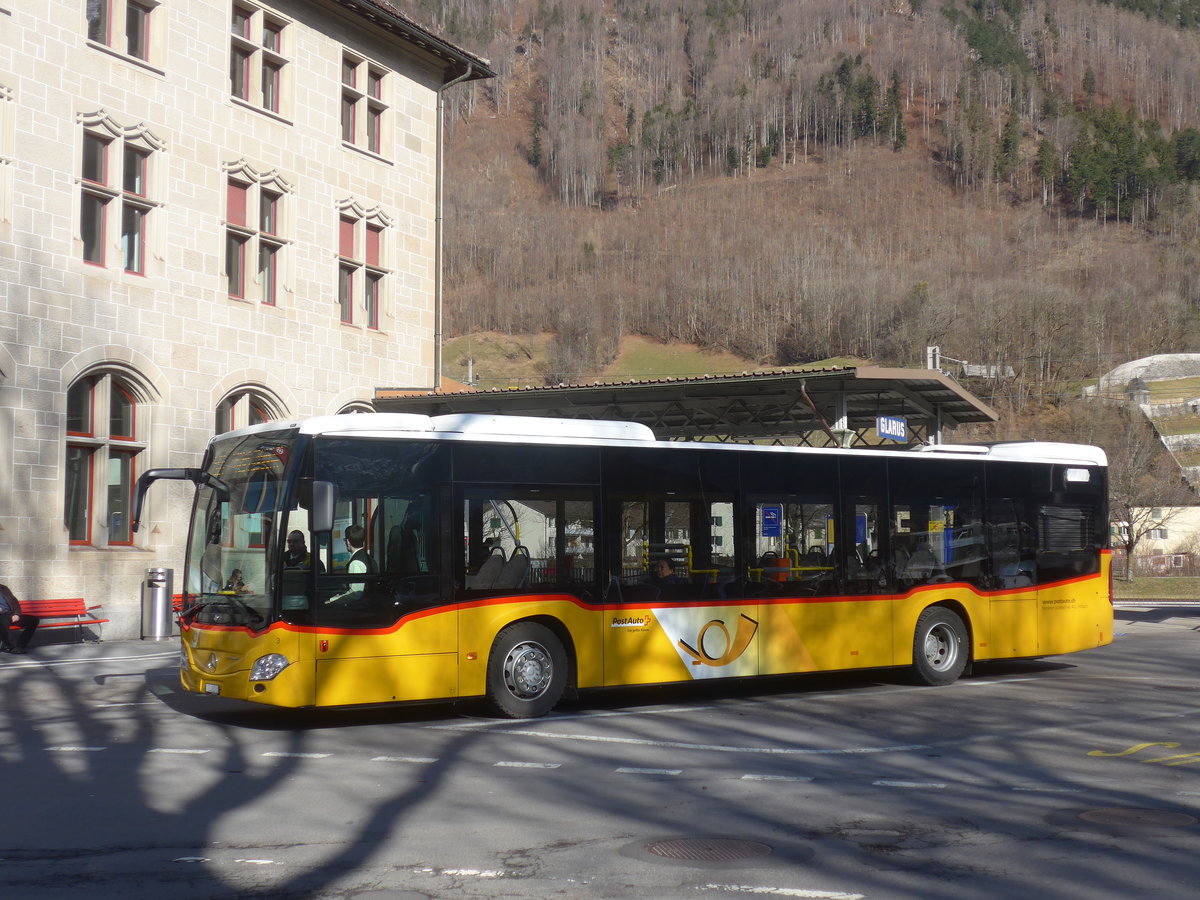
105, 437
246, 407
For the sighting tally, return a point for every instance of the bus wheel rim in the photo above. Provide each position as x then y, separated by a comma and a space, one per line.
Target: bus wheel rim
939, 647
528, 670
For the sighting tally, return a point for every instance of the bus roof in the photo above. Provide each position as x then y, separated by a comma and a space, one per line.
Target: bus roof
539, 427
474, 426
1028, 451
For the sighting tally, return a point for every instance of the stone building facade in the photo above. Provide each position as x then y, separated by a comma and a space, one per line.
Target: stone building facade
212, 212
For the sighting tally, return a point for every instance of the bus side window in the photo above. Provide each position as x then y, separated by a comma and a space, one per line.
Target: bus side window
536, 539
794, 543
864, 568
695, 536
936, 523
406, 551
1013, 561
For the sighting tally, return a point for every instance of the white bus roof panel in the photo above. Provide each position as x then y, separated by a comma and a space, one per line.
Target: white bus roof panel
1026, 451
366, 423
542, 428
1052, 451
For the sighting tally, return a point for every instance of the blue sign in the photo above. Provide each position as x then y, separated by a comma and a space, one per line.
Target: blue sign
772, 521
892, 428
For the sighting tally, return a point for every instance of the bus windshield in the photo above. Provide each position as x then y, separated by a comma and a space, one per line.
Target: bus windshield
234, 523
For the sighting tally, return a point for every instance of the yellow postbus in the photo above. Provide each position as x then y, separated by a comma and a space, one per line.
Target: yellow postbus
388, 558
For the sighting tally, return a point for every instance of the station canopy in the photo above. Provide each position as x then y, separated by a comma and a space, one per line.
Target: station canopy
815, 407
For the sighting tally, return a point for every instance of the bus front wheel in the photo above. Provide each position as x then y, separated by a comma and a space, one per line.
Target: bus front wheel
527, 671
939, 647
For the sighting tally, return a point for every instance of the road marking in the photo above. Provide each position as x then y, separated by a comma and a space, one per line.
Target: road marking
174, 750
680, 745
75, 749
463, 873
1178, 759
257, 862
292, 755
783, 892
118, 705
885, 782
92, 661
1170, 745
424, 760
797, 778
526, 765
629, 770
1183, 759
492, 723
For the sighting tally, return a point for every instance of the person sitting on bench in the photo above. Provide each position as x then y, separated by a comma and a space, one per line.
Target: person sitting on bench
10, 615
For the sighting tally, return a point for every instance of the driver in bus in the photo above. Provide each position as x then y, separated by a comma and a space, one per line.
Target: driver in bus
297, 556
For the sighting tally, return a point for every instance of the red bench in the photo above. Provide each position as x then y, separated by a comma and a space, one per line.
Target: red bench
69, 613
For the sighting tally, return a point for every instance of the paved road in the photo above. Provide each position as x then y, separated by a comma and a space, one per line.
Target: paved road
1058, 778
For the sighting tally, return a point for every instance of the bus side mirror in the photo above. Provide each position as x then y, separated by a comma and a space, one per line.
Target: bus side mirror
321, 513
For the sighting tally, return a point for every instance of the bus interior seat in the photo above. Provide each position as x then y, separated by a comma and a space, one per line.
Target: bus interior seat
921, 564
774, 567
516, 571
489, 571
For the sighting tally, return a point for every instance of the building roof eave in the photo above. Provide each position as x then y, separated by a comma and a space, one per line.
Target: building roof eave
752, 406
457, 64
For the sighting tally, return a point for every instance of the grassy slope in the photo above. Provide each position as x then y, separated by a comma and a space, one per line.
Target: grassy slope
517, 360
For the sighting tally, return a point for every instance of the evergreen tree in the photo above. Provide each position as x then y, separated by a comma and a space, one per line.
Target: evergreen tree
1048, 168
1010, 146
894, 115
1185, 154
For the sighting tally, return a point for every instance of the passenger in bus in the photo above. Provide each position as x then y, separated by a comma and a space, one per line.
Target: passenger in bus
662, 571
236, 584
297, 556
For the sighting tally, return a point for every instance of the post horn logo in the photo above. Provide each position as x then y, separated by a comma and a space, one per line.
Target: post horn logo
734, 647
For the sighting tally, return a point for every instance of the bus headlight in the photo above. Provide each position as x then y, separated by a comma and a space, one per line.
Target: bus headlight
267, 667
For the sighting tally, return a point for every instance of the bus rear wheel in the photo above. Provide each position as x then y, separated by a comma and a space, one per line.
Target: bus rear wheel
939, 647
527, 671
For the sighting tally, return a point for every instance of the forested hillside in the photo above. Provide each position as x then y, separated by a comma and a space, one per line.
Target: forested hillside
1015, 181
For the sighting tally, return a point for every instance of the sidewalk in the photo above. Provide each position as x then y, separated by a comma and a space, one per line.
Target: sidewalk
92, 650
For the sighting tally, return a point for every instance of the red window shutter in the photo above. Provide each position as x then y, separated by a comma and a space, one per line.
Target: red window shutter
346, 238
